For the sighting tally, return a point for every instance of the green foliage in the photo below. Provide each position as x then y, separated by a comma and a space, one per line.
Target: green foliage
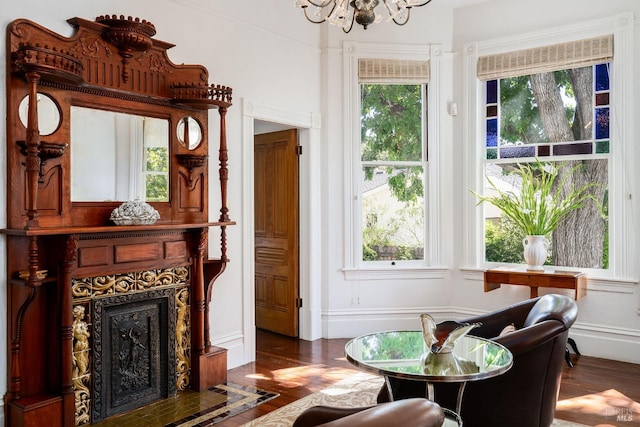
519, 117
374, 233
157, 184
157, 188
393, 346
391, 130
539, 206
157, 159
369, 254
519, 114
404, 253
394, 235
503, 242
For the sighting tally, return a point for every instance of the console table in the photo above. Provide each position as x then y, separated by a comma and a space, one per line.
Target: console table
495, 277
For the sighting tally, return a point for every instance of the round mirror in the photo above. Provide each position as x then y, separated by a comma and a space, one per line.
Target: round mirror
189, 132
48, 114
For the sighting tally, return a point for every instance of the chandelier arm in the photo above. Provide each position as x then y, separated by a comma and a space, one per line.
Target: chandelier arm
392, 12
422, 4
353, 18
306, 15
324, 3
408, 15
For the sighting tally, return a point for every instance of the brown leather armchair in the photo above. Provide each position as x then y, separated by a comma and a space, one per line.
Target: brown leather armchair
418, 412
526, 395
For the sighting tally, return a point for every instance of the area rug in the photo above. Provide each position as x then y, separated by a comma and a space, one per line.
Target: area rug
234, 399
358, 390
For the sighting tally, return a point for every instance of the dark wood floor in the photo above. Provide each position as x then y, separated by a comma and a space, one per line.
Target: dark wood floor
595, 392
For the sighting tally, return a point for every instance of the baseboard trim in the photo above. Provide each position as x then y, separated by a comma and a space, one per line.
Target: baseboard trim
235, 346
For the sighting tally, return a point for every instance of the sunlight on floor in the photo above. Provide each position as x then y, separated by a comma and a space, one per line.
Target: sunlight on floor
301, 376
257, 377
612, 405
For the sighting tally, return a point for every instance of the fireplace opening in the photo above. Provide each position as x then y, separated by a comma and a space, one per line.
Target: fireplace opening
134, 351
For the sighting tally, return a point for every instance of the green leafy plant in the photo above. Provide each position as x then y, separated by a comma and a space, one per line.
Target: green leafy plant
542, 203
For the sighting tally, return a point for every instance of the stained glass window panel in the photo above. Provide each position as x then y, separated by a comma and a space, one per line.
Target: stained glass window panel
492, 92
602, 77
602, 147
515, 152
572, 149
602, 123
492, 133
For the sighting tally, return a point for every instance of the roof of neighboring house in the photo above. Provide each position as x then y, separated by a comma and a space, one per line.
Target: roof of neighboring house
380, 178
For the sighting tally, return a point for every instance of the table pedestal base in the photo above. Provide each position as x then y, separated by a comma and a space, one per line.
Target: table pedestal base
452, 418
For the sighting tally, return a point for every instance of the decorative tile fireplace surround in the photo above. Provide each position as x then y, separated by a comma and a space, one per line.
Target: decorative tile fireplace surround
105, 316
133, 347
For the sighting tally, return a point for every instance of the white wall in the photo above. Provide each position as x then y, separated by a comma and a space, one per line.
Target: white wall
290, 70
608, 324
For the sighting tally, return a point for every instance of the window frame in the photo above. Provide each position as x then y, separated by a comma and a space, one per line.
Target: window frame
621, 251
354, 267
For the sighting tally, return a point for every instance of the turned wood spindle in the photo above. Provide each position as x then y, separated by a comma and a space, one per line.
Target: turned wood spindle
224, 172
33, 151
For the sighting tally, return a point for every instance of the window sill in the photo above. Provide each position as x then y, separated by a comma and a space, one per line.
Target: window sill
395, 272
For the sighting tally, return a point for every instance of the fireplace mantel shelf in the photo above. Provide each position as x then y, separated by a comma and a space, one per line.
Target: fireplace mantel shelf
52, 231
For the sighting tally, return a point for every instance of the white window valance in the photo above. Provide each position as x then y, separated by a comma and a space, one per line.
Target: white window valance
575, 54
376, 70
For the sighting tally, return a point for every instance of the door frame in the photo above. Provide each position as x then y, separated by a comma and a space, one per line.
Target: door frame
310, 225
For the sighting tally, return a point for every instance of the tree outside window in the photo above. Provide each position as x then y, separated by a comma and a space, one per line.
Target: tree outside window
557, 116
393, 171
156, 162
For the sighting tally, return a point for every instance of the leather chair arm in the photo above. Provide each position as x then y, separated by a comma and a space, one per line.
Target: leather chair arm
406, 412
494, 323
526, 339
318, 415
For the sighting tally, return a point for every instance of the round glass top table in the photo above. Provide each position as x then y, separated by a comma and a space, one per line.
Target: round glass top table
403, 354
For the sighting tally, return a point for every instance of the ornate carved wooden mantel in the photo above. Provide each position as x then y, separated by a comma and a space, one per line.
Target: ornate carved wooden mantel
65, 258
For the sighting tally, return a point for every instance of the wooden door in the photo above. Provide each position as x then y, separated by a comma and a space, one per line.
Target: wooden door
276, 232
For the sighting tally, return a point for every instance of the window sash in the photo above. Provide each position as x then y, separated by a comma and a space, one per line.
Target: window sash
419, 256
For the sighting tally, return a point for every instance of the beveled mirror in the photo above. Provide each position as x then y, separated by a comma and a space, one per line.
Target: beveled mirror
189, 132
118, 157
48, 114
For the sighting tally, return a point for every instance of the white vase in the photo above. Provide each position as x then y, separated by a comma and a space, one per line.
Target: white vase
535, 252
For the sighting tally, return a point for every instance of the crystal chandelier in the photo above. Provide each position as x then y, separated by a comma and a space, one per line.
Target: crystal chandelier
343, 13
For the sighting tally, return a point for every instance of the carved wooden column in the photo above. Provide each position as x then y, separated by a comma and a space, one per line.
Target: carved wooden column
198, 295
66, 332
224, 171
224, 178
33, 151
210, 362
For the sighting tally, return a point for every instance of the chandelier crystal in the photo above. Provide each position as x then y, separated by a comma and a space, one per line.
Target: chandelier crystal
343, 13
